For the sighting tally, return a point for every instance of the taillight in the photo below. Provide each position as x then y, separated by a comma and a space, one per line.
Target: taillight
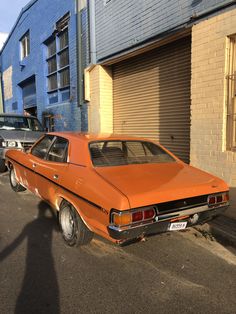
149, 214
218, 199
122, 219
137, 216
133, 217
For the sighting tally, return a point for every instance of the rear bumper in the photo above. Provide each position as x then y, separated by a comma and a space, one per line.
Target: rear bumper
160, 226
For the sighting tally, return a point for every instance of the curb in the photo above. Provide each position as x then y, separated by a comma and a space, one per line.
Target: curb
222, 229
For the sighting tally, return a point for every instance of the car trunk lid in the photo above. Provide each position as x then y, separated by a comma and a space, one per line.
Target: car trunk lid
147, 184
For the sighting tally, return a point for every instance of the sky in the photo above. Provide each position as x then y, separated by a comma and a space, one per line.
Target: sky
9, 11
3, 37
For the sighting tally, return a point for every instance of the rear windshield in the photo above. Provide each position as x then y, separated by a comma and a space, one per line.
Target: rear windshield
117, 153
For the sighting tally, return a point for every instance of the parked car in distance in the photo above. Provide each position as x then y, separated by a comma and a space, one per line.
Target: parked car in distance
17, 132
119, 187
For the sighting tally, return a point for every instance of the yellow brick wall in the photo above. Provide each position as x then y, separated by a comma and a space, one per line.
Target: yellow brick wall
208, 91
100, 110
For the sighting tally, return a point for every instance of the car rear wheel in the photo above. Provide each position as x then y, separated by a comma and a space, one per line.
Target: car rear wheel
74, 231
16, 186
2, 166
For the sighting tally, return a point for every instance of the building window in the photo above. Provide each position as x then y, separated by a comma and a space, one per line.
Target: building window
58, 65
28, 88
25, 45
231, 97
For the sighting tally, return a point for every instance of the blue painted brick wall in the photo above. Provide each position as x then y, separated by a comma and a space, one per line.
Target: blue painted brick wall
40, 20
121, 24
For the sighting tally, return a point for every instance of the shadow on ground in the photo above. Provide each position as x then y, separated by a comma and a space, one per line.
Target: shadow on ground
39, 292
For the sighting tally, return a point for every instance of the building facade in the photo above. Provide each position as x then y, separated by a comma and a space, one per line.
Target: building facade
158, 69
39, 65
213, 93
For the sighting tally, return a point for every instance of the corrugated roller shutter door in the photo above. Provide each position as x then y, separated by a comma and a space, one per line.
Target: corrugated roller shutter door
152, 96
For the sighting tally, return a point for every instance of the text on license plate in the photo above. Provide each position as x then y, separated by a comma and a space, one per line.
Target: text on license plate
178, 225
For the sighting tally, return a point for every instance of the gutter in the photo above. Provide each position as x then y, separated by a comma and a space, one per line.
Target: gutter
212, 10
79, 55
80, 4
1, 95
92, 32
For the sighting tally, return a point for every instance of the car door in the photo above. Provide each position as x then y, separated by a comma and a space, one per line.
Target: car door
30, 159
51, 168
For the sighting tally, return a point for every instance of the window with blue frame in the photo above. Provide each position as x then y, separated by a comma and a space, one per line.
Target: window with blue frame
58, 63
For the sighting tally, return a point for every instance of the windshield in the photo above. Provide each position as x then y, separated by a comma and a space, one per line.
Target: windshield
117, 153
20, 123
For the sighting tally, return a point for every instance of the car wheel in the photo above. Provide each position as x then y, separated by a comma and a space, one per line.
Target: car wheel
16, 186
74, 231
2, 166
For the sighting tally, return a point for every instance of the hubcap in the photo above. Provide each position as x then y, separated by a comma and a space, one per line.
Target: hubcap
67, 223
13, 177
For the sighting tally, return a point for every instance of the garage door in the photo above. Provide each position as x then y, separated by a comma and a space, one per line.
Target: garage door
152, 96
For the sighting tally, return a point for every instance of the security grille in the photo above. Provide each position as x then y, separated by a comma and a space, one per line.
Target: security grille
231, 98
152, 96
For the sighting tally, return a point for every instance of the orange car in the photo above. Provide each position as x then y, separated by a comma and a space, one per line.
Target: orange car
119, 187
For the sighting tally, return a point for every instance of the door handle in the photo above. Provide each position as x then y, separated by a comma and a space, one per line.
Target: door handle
55, 176
34, 165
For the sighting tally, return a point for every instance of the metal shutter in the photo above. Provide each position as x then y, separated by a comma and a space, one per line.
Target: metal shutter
152, 96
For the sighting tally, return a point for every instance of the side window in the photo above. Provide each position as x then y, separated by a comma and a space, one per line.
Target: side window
135, 149
58, 151
114, 144
40, 150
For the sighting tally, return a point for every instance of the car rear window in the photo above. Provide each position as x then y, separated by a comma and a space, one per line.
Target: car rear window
117, 153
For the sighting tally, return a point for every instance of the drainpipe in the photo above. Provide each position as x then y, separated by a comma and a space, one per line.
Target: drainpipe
213, 9
79, 55
92, 32
1, 96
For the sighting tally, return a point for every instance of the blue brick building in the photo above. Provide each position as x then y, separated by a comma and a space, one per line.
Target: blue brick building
39, 65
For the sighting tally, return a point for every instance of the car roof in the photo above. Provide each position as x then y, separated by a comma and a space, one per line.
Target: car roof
89, 137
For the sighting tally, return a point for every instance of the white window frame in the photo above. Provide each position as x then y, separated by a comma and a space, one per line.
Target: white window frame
25, 42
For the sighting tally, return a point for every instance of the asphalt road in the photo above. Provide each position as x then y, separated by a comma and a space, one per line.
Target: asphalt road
177, 272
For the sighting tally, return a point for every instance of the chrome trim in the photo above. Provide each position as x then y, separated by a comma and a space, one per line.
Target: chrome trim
183, 212
132, 211
131, 227
168, 216
215, 195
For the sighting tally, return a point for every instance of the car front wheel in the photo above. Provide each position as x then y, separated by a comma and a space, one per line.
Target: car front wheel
16, 186
74, 231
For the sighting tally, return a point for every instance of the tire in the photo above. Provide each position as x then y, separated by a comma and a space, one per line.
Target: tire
3, 167
15, 185
74, 231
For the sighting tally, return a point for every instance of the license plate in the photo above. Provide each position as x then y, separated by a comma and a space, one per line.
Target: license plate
178, 225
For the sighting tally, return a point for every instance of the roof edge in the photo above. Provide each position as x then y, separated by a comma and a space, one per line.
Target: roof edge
23, 10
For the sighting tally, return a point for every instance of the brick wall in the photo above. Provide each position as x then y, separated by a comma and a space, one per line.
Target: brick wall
40, 20
121, 24
101, 100
208, 89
